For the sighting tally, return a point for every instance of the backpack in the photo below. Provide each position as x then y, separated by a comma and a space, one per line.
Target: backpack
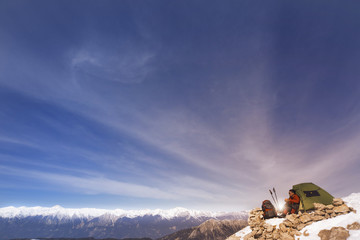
268, 209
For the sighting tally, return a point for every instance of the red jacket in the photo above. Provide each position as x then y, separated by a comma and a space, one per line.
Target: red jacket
294, 199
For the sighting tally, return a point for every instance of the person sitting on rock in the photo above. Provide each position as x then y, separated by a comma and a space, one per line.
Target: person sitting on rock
292, 203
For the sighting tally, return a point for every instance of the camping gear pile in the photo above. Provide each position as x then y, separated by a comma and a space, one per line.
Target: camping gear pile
315, 206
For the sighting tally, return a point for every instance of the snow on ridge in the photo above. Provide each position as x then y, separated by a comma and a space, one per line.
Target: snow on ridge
89, 213
353, 200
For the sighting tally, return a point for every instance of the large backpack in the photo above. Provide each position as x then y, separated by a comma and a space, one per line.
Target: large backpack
268, 209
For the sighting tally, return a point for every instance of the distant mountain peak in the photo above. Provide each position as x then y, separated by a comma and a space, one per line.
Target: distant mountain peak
88, 213
60, 222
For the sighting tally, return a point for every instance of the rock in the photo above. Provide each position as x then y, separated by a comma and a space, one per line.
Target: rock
319, 206
256, 210
269, 228
308, 223
268, 236
286, 236
329, 211
324, 234
305, 218
282, 227
258, 233
292, 218
276, 234
335, 233
329, 207
320, 212
300, 226
288, 224
341, 209
352, 210
338, 202
353, 226
294, 232
318, 218
255, 220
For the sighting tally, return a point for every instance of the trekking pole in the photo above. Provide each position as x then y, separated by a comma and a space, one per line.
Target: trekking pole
273, 197
276, 196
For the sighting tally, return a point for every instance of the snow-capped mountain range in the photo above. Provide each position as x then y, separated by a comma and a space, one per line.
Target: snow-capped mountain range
59, 222
89, 213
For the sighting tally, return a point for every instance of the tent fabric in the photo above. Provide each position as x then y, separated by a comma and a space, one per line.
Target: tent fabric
310, 193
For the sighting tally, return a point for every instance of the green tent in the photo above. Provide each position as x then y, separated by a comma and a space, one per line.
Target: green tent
310, 193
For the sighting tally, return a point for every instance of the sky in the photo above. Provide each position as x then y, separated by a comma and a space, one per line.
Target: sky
160, 104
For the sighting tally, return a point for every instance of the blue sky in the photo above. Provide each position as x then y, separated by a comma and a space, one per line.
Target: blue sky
158, 104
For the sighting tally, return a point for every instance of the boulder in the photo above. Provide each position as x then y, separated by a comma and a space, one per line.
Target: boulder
335, 233
318, 218
268, 236
319, 206
258, 233
352, 210
293, 218
353, 226
282, 227
276, 234
320, 212
269, 228
329, 207
305, 218
341, 209
329, 211
338, 202
288, 224
300, 226
324, 234
255, 220
255, 211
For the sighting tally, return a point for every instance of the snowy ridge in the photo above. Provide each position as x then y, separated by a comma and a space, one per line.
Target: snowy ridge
353, 200
90, 213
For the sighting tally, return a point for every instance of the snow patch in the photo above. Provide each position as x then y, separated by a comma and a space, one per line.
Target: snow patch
352, 200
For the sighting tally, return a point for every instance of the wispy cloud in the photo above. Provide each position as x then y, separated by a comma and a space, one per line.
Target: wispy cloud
124, 64
91, 185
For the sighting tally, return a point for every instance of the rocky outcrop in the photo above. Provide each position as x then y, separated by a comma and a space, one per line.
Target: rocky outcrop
291, 226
